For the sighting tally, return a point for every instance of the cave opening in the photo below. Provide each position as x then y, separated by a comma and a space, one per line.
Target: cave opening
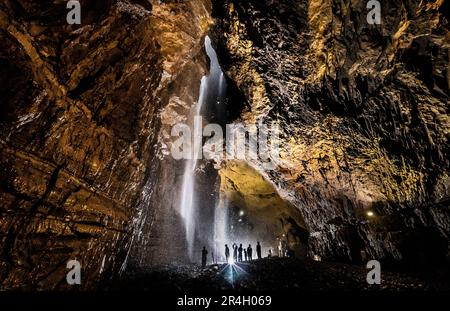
87, 172
256, 212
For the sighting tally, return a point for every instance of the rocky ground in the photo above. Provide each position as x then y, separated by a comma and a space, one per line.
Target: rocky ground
276, 274
79, 122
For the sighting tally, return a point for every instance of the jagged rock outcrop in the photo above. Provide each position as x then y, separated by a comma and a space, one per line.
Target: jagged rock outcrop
86, 114
80, 126
364, 116
256, 212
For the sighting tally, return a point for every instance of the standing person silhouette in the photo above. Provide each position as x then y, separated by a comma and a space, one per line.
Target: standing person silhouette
227, 253
240, 252
204, 255
235, 248
258, 250
249, 252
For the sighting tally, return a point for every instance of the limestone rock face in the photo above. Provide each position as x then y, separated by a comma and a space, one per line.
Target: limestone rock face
86, 113
81, 115
363, 111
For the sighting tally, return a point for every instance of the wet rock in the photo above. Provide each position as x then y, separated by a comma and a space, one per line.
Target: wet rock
364, 126
80, 133
86, 113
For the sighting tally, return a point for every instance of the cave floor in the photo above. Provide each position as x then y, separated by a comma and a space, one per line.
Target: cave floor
274, 274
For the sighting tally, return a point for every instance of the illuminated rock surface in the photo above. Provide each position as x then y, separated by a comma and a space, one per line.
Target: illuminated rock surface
80, 122
364, 115
86, 114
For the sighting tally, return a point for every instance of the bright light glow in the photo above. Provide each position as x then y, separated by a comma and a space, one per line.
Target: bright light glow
241, 213
370, 213
317, 258
231, 261
233, 272
240, 220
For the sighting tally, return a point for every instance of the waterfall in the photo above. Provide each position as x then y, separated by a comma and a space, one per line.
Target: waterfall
220, 228
212, 94
188, 210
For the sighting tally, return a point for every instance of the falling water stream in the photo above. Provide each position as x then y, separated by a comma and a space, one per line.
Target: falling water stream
212, 93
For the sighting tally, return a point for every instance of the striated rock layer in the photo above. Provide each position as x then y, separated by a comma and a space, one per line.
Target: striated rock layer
79, 129
364, 116
86, 114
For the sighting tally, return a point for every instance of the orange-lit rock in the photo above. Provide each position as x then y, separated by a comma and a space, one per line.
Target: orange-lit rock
80, 129
364, 114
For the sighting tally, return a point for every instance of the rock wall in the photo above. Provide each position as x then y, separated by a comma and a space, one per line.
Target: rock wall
86, 113
364, 116
80, 125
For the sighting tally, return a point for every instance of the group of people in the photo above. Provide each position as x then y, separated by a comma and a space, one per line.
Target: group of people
241, 253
